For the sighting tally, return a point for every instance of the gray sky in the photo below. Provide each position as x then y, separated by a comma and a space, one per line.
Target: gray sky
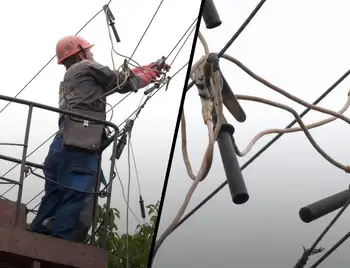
30, 41
301, 46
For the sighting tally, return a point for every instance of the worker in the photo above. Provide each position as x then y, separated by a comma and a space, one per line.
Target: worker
72, 160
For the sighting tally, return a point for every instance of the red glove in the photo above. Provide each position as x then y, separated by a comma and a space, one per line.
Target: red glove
147, 77
149, 73
138, 70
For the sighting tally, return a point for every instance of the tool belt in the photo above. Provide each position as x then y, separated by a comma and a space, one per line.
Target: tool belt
82, 133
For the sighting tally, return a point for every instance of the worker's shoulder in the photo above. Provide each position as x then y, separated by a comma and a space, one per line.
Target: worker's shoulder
84, 66
88, 64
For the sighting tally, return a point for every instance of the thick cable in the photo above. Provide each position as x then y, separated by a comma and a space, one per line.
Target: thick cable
283, 92
302, 125
290, 130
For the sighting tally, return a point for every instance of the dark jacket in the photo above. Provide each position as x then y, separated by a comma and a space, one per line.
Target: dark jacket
84, 89
84, 82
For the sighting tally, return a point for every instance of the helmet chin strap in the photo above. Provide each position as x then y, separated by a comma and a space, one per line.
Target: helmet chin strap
82, 50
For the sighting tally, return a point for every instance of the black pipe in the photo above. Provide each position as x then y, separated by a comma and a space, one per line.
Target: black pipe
324, 206
233, 172
210, 15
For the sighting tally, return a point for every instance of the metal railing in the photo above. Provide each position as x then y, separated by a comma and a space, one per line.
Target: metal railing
25, 164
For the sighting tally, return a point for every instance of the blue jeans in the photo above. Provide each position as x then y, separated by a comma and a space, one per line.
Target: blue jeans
75, 169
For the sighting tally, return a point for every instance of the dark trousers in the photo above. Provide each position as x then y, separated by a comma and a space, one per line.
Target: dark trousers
71, 167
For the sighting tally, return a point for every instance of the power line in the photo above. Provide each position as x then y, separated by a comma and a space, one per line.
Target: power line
52, 58
183, 44
271, 142
149, 24
183, 37
240, 30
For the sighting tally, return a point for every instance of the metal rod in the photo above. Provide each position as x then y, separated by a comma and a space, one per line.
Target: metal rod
9, 180
10, 144
57, 110
109, 191
233, 171
19, 161
324, 206
23, 164
94, 214
210, 15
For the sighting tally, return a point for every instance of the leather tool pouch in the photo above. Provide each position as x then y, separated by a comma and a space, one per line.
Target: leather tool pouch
81, 133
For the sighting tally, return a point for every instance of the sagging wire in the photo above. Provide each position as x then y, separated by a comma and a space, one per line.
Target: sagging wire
302, 126
335, 115
290, 130
124, 196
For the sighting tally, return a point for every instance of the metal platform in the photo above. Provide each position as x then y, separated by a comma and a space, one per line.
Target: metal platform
20, 248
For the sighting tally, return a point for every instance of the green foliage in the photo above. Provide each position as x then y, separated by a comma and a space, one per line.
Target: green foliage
139, 243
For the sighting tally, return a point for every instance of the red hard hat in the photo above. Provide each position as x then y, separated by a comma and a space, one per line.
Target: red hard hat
70, 45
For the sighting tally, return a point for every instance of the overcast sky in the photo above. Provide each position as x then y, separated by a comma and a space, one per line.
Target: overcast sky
301, 46
29, 42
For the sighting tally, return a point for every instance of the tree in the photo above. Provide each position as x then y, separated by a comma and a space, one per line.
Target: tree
139, 243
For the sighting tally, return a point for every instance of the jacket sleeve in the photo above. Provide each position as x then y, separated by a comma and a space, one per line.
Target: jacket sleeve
110, 79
